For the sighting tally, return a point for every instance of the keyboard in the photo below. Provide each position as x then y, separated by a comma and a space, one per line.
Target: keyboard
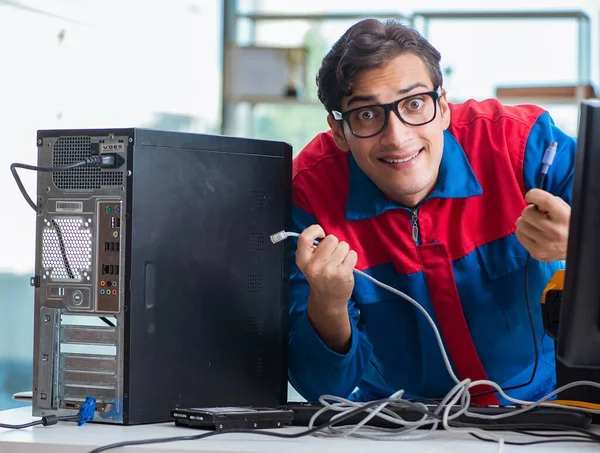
546, 416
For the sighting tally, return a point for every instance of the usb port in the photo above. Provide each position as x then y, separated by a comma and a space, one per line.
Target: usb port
116, 269
106, 246
111, 269
115, 222
117, 246
112, 246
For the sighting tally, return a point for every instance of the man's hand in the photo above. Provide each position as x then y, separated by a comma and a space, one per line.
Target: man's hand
543, 227
328, 268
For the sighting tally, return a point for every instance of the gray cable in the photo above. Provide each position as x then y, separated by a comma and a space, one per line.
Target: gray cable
459, 392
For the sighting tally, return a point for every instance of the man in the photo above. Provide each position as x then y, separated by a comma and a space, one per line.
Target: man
439, 201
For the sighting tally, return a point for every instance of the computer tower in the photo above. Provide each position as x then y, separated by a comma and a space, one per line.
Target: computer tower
156, 285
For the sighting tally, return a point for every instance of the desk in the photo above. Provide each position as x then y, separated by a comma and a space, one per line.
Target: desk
67, 437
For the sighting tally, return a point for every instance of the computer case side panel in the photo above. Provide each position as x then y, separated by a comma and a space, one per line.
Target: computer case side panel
208, 307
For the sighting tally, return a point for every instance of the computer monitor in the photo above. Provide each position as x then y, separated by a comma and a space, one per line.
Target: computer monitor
579, 329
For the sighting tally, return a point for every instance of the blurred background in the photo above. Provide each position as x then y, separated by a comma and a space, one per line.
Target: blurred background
239, 67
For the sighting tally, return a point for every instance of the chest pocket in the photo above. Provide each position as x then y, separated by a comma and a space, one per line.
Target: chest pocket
503, 266
502, 257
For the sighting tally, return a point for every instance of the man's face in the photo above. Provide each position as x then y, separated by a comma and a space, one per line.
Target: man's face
402, 160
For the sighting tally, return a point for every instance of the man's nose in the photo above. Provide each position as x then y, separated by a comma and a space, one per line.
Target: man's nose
396, 132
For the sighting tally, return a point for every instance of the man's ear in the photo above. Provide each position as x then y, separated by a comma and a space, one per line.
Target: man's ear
444, 110
337, 128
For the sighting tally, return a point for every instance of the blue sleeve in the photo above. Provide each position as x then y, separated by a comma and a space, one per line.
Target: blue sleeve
314, 369
559, 180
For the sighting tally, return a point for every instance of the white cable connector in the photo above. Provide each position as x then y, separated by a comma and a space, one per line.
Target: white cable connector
282, 236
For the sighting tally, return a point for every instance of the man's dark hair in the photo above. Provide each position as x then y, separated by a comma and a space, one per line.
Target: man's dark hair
366, 45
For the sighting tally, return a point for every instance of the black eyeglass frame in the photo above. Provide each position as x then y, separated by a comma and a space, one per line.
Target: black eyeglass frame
387, 108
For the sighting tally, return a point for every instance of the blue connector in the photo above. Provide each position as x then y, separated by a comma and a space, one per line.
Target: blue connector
87, 410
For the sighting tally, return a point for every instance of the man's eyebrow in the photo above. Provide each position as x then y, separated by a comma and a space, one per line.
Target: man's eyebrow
412, 87
354, 99
408, 89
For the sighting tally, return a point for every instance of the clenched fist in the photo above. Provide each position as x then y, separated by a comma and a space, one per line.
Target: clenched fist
328, 268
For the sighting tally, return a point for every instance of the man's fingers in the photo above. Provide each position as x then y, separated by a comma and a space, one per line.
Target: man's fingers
305, 248
529, 230
350, 261
339, 254
527, 242
536, 218
550, 204
552, 229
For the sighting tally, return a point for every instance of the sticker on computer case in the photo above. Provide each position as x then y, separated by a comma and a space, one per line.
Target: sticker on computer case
112, 147
69, 206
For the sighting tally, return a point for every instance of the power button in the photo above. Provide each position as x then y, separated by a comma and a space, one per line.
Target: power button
77, 297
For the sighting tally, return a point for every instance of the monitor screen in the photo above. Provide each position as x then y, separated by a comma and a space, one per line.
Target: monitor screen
579, 330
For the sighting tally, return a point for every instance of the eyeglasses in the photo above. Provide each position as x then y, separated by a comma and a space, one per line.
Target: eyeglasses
369, 120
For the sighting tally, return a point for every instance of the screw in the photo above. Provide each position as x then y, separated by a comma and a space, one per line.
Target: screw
45, 357
129, 173
130, 140
39, 142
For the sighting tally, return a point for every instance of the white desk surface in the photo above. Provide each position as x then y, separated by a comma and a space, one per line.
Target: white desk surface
67, 437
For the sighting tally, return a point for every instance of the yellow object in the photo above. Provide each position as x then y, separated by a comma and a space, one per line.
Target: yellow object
581, 404
557, 283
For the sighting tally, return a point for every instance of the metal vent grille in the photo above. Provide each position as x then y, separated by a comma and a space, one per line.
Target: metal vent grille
256, 242
255, 325
71, 149
255, 284
259, 367
67, 249
258, 199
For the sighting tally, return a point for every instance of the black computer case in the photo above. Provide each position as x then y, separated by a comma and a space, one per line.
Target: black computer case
173, 248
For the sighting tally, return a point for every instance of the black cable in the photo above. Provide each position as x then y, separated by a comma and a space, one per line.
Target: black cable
536, 442
304, 433
542, 181
582, 436
45, 421
107, 321
63, 250
89, 161
94, 160
533, 334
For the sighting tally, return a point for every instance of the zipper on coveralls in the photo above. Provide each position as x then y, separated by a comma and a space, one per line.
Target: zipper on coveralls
415, 225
